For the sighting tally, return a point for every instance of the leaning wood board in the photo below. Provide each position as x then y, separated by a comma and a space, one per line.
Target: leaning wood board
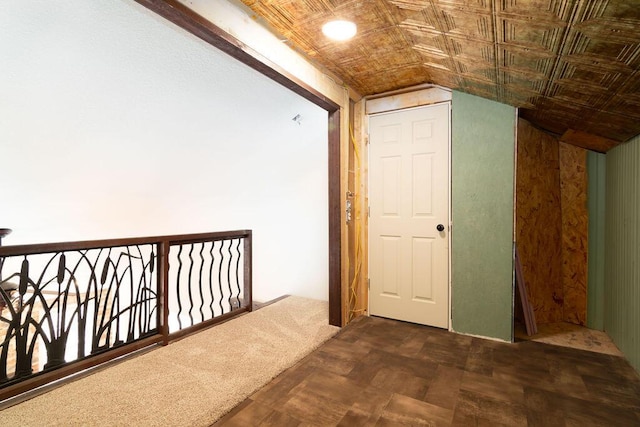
527, 309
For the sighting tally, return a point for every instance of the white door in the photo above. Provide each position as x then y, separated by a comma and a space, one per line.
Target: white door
409, 204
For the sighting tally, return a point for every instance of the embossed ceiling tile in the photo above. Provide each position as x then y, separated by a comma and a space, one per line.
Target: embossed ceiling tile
476, 26
600, 50
593, 77
625, 10
566, 114
522, 82
445, 78
481, 6
477, 71
296, 13
580, 96
404, 15
387, 40
432, 42
441, 62
395, 59
287, 13
381, 62
617, 31
548, 10
515, 98
535, 64
434, 45
418, 30
531, 34
626, 105
426, 19
413, 5
400, 14
350, 62
478, 50
632, 85
339, 3
370, 16
393, 79
480, 88
612, 126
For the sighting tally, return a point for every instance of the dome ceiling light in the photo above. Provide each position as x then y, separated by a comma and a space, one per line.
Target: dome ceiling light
339, 30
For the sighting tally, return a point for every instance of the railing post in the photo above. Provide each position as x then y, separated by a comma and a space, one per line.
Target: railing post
163, 290
247, 270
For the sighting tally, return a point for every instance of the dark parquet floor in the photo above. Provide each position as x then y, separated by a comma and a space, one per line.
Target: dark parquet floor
379, 372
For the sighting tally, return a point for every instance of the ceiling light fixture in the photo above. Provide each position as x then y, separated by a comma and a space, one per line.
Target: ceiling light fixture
339, 30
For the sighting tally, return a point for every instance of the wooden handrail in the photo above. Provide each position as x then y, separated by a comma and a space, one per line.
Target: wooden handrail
39, 248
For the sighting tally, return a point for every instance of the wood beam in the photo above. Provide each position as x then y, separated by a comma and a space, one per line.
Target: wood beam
588, 140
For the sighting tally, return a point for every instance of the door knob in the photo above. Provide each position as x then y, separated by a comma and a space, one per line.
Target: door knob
440, 227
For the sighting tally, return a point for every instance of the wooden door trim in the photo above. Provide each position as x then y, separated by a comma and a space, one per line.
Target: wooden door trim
185, 18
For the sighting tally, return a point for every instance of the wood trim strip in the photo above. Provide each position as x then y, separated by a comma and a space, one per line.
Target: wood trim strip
200, 27
109, 243
335, 222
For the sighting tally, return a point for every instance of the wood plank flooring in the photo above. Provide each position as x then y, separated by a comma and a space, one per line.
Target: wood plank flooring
380, 372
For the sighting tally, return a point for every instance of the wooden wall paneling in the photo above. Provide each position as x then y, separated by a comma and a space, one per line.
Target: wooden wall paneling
575, 231
539, 220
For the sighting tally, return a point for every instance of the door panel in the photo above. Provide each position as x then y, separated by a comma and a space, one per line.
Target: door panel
409, 197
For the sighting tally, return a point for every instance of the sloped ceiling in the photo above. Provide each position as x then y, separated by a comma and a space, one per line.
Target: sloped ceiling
571, 67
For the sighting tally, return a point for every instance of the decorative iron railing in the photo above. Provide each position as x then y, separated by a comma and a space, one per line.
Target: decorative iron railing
68, 306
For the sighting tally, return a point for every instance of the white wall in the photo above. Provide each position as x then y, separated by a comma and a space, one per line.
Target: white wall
115, 123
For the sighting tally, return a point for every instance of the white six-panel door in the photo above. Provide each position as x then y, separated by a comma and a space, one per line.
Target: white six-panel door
409, 199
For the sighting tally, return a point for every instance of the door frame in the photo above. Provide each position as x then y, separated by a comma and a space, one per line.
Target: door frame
405, 100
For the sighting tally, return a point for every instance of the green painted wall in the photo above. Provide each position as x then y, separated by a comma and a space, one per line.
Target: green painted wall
622, 243
596, 170
483, 143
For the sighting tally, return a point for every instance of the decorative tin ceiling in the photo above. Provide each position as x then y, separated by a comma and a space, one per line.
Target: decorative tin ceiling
572, 66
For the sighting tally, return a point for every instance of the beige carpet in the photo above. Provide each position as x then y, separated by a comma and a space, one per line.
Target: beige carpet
192, 382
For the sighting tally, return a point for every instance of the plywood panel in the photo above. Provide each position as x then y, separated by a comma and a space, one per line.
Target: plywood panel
575, 231
539, 220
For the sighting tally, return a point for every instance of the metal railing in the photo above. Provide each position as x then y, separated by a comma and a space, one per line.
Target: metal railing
65, 307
